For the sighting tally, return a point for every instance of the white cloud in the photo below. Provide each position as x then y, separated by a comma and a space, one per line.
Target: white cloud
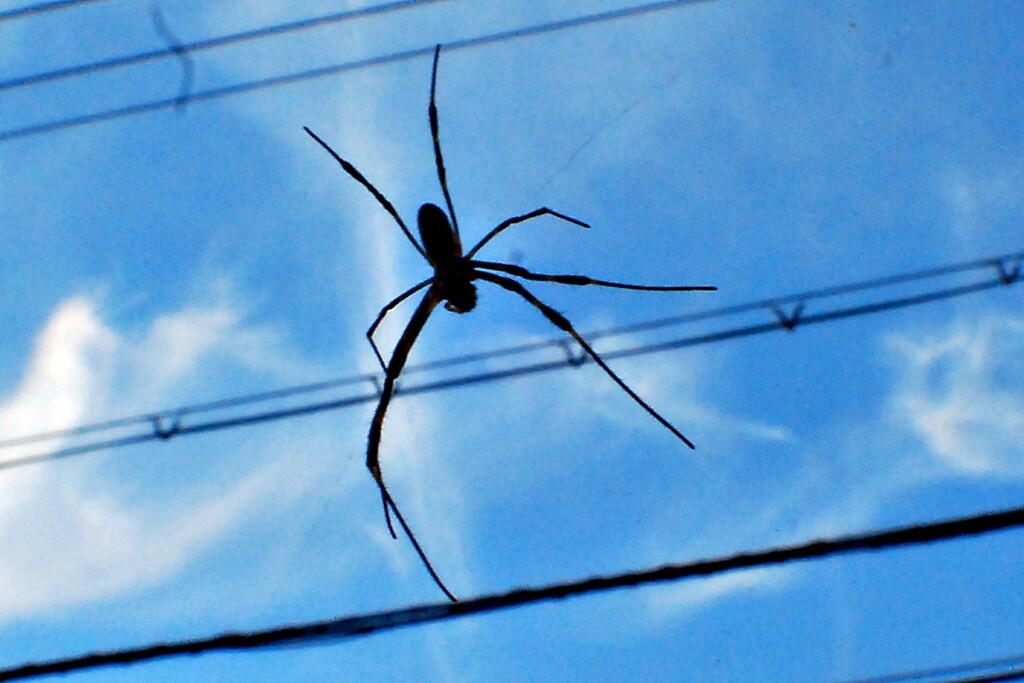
72, 352
961, 395
69, 534
983, 202
688, 597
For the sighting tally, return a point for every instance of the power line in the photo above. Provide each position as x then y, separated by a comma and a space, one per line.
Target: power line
347, 628
40, 8
335, 69
210, 43
1014, 675
165, 425
1000, 668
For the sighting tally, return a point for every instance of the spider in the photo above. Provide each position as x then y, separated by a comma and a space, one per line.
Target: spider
453, 283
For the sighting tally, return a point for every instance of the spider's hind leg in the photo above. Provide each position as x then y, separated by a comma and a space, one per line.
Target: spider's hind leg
389, 502
394, 368
563, 324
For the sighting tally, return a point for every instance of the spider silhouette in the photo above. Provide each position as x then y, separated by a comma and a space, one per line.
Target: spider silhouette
452, 283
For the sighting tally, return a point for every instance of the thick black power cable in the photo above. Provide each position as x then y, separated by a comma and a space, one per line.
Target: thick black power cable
40, 8
335, 69
210, 43
1014, 675
367, 624
982, 670
170, 424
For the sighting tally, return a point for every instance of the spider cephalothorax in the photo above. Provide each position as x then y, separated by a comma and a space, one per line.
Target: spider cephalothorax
452, 283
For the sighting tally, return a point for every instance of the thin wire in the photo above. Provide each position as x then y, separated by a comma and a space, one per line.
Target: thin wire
1003, 264
335, 69
367, 624
28, 10
210, 43
177, 416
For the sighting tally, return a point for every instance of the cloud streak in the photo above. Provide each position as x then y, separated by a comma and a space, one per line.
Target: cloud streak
70, 536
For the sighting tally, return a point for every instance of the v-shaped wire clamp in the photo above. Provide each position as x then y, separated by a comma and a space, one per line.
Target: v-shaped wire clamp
1009, 269
166, 433
184, 58
574, 356
791, 320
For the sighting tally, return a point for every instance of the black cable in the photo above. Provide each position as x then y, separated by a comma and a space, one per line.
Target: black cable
1014, 675
28, 10
1002, 265
210, 43
332, 70
368, 624
955, 673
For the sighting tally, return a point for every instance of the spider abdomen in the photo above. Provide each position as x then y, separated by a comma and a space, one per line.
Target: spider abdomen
439, 240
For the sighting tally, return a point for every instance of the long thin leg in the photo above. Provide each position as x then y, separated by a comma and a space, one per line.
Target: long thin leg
361, 179
442, 175
536, 213
583, 280
389, 501
562, 323
398, 359
387, 309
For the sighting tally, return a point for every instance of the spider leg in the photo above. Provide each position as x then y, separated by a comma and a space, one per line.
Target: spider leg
361, 179
562, 323
384, 311
536, 213
583, 280
442, 175
398, 359
389, 501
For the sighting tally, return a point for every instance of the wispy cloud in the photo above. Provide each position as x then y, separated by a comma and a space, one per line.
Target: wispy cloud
961, 395
954, 409
69, 535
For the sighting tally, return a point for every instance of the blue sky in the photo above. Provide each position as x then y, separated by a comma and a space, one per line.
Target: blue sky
184, 256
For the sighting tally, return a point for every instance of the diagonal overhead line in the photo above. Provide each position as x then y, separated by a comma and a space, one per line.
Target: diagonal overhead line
348, 628
210, 43
40, 8
1003, 271
335, 69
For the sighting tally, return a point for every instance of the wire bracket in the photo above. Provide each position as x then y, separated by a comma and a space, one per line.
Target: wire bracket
791, 320
574, 355
1009, 269
166, 433
184, 58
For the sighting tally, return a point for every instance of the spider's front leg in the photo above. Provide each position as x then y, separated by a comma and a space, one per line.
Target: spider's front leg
509, 222
390, 306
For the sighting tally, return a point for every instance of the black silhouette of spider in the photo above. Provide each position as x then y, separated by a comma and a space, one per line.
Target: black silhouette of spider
452, 283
